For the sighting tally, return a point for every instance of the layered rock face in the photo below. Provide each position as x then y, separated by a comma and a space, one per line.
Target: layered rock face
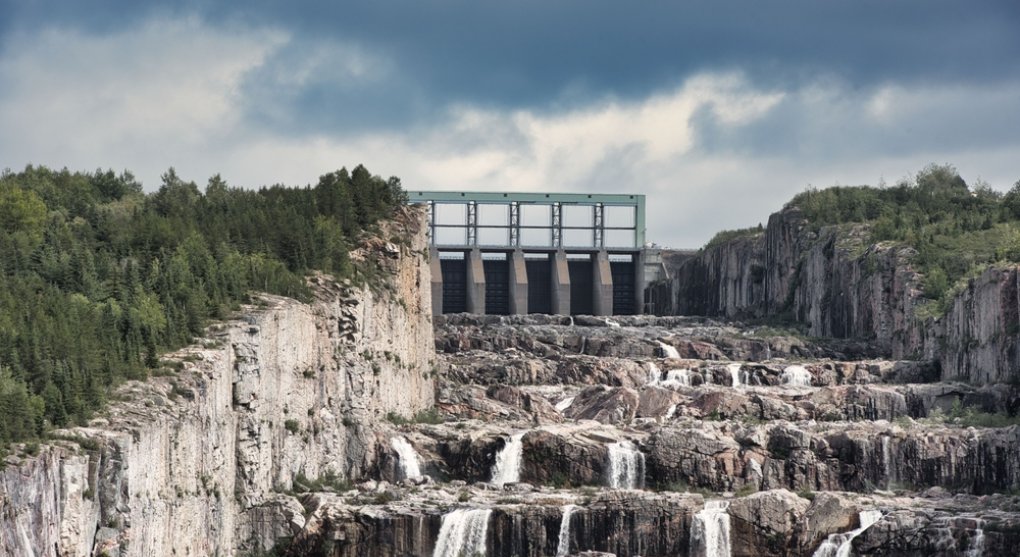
841, 286
586, 436
192, 463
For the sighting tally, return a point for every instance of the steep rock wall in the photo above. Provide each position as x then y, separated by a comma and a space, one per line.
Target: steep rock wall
187, 464
841, 286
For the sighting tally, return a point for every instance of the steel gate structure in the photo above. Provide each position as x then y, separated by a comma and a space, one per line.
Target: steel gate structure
511, 253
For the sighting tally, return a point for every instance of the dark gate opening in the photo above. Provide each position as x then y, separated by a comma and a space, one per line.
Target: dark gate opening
497, 286
581, 299
623, 287
539, 285
454, 285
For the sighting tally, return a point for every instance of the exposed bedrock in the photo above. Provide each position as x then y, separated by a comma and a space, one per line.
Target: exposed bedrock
190, 463
840, 285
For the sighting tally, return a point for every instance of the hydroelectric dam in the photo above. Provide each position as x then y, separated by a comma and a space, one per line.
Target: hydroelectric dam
515, 253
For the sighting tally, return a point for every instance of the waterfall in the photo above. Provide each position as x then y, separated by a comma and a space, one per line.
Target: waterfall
668, 351
409, 463
734, 374
463, 533
563, 548
626, 466
768, 352
746, 377
564, 404
674, 377
670, 413
710, 533
839, 545
887, 460
977, 543
678, 378
796, 376
508, 461
654, 375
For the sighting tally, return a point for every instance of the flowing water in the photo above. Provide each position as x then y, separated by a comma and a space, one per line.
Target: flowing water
977, 543
626, 466
796, 376
710, 532
410, 465
463, 533
734, 374
668, 351
840, 545
563, 547
507, 468
674, 377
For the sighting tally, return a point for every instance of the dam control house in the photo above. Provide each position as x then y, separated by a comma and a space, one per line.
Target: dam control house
515, 253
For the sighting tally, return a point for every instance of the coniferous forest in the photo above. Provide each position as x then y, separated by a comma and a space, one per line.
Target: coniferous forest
98, 278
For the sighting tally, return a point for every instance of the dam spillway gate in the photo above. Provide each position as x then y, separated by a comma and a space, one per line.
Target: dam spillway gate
516, 253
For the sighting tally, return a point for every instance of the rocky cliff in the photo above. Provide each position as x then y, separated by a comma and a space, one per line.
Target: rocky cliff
837, 283
192, 462
681, 436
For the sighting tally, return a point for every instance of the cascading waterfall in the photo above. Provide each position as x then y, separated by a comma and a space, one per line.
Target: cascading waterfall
839, 545
710, 533
626, 466
796, 376
410, 466
462, 533
887, 460
563, 547
668, 351
977, 543
674, 377
734, 374
654, 374
678, 378
508, 461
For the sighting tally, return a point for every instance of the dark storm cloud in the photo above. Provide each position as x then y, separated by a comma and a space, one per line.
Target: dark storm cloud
548, 56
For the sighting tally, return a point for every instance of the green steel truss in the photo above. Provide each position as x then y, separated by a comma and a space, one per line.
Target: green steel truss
513, 227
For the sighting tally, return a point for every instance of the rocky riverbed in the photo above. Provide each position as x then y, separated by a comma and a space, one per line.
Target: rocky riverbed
677, 436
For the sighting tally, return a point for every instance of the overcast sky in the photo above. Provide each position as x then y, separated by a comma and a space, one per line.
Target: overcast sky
718, 111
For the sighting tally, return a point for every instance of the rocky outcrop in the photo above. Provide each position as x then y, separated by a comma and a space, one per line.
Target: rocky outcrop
190, 463
833, 280
979, 337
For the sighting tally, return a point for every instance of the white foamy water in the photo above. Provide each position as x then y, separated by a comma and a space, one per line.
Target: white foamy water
674, 377
612, 324
887, 460
668, 351
677, 378
463, 533
839, 545
410, 465
796, 376
670, 413
507, 468
563, 547
564, 404
626, 466
977, 543
710, 533
734, 374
